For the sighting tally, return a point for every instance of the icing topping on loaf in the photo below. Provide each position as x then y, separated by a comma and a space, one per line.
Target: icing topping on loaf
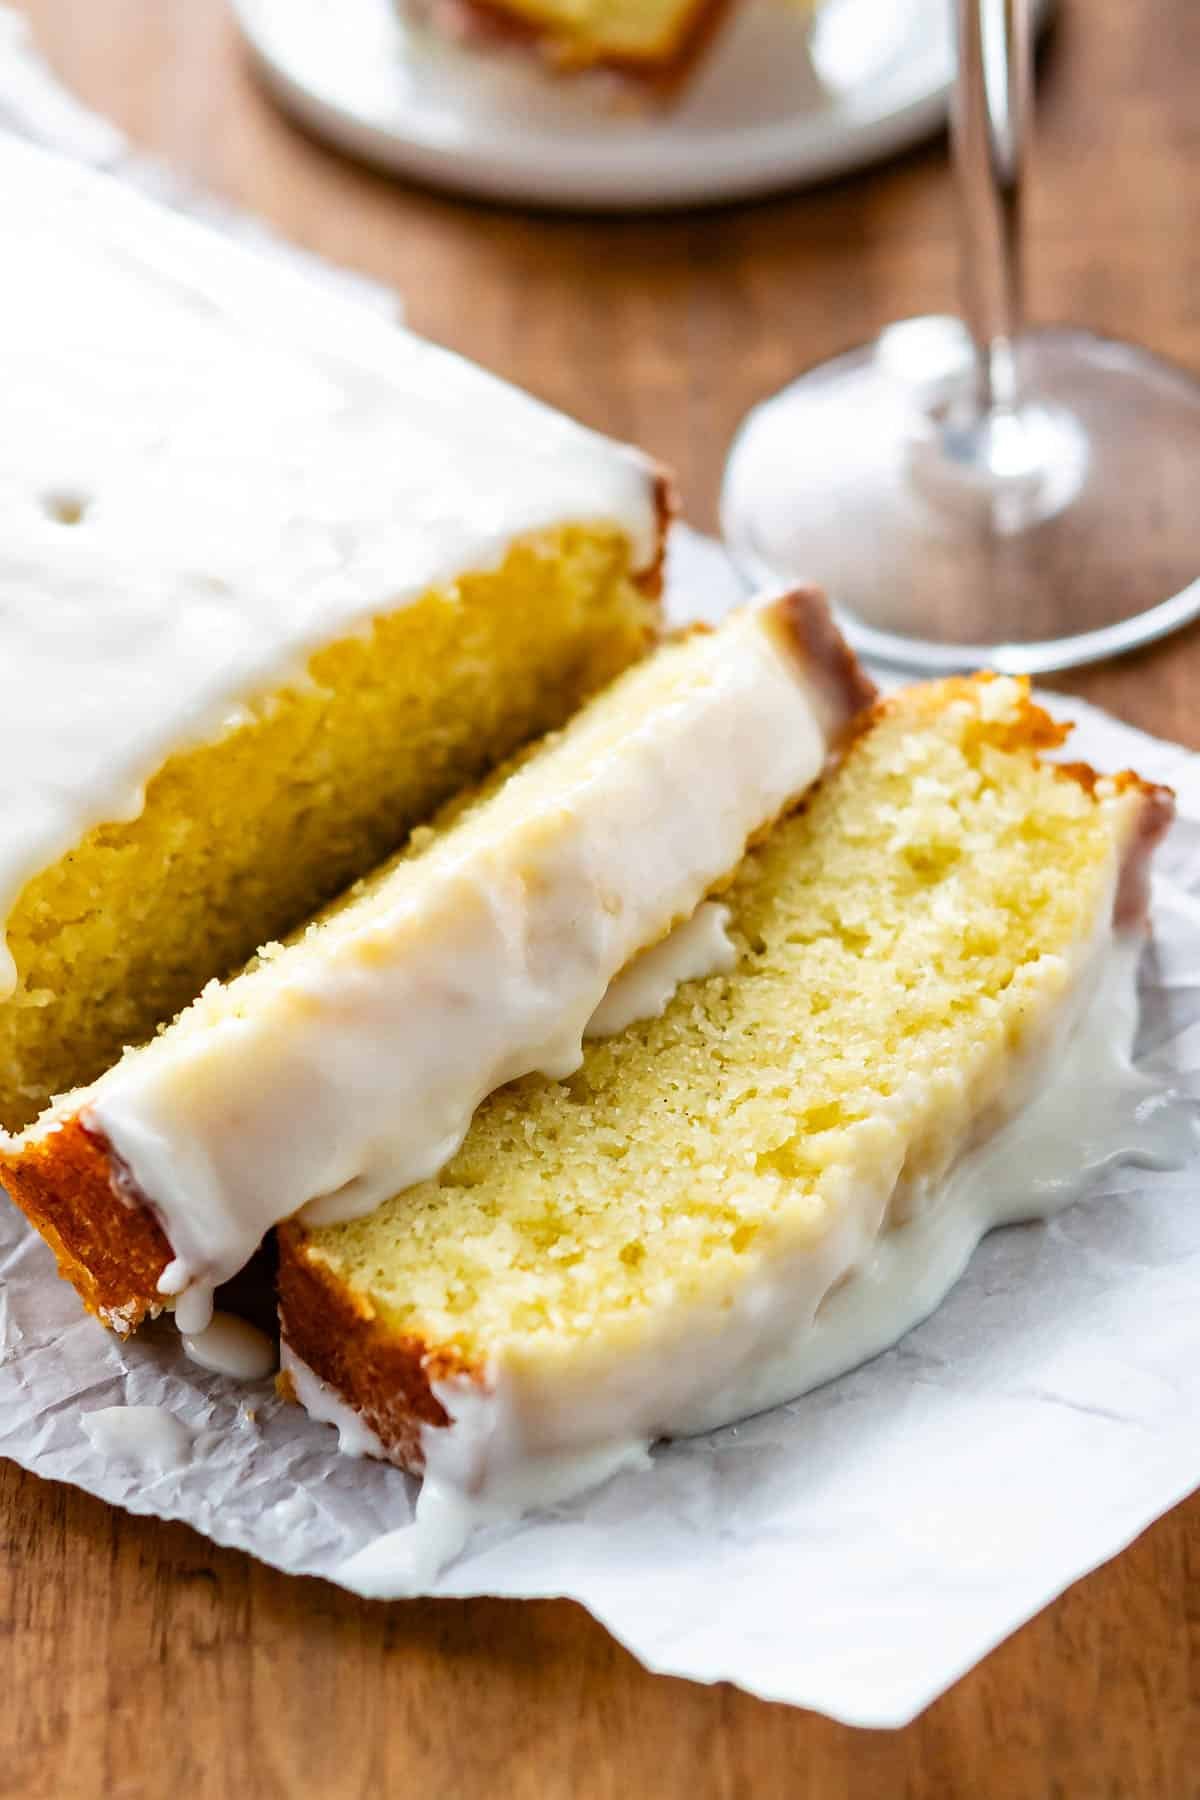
210, 469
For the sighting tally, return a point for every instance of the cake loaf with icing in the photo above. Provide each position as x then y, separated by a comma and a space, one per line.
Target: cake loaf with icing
348, 1063
276, 578
648, 1246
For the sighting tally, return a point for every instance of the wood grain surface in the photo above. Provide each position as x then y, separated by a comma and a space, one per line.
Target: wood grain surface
136, 1659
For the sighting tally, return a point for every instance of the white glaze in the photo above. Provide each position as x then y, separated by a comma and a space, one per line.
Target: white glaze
320, 1401
407, 1560
149, 1437
812, 1317
211, 467
232, 1346
447, 1510
698, 947
290, 1513
349, 1066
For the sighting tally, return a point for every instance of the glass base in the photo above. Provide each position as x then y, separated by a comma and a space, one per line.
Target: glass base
1056, 534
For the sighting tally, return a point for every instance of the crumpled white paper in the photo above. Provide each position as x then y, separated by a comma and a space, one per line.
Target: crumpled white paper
855, 1551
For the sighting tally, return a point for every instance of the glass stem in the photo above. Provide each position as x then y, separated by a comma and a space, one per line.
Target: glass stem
989, 129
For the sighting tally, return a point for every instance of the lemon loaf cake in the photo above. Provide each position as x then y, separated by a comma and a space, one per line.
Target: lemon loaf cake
647, 38
276, 578
347, 1064
646, 1247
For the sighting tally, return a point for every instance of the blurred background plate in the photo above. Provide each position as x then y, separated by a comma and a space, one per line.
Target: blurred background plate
783, 97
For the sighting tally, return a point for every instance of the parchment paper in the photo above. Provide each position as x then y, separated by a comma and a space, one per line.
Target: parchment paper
36, 107
853, 1552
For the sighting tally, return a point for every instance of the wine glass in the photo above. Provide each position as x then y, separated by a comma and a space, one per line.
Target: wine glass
981, 493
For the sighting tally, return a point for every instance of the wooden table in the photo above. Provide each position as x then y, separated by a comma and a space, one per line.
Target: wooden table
139, 1660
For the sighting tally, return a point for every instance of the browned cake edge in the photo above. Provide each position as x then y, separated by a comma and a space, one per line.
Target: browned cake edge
666, 510
828, 660
69, 1183
385, 1376
105, 1238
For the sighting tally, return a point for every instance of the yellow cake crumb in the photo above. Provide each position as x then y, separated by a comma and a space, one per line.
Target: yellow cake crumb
241, 839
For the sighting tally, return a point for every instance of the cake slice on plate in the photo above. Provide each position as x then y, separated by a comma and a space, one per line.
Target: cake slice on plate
348, 1063
664, 1240
276, 579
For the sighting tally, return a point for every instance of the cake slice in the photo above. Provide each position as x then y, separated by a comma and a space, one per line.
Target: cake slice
654, 1244
348, 1063
276, 579
654, 39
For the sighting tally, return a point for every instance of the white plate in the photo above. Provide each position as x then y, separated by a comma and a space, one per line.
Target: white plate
781, 99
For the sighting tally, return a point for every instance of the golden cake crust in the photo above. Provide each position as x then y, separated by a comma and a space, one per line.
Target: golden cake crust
384, 1376
69, 1187
828, 657
666, 509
